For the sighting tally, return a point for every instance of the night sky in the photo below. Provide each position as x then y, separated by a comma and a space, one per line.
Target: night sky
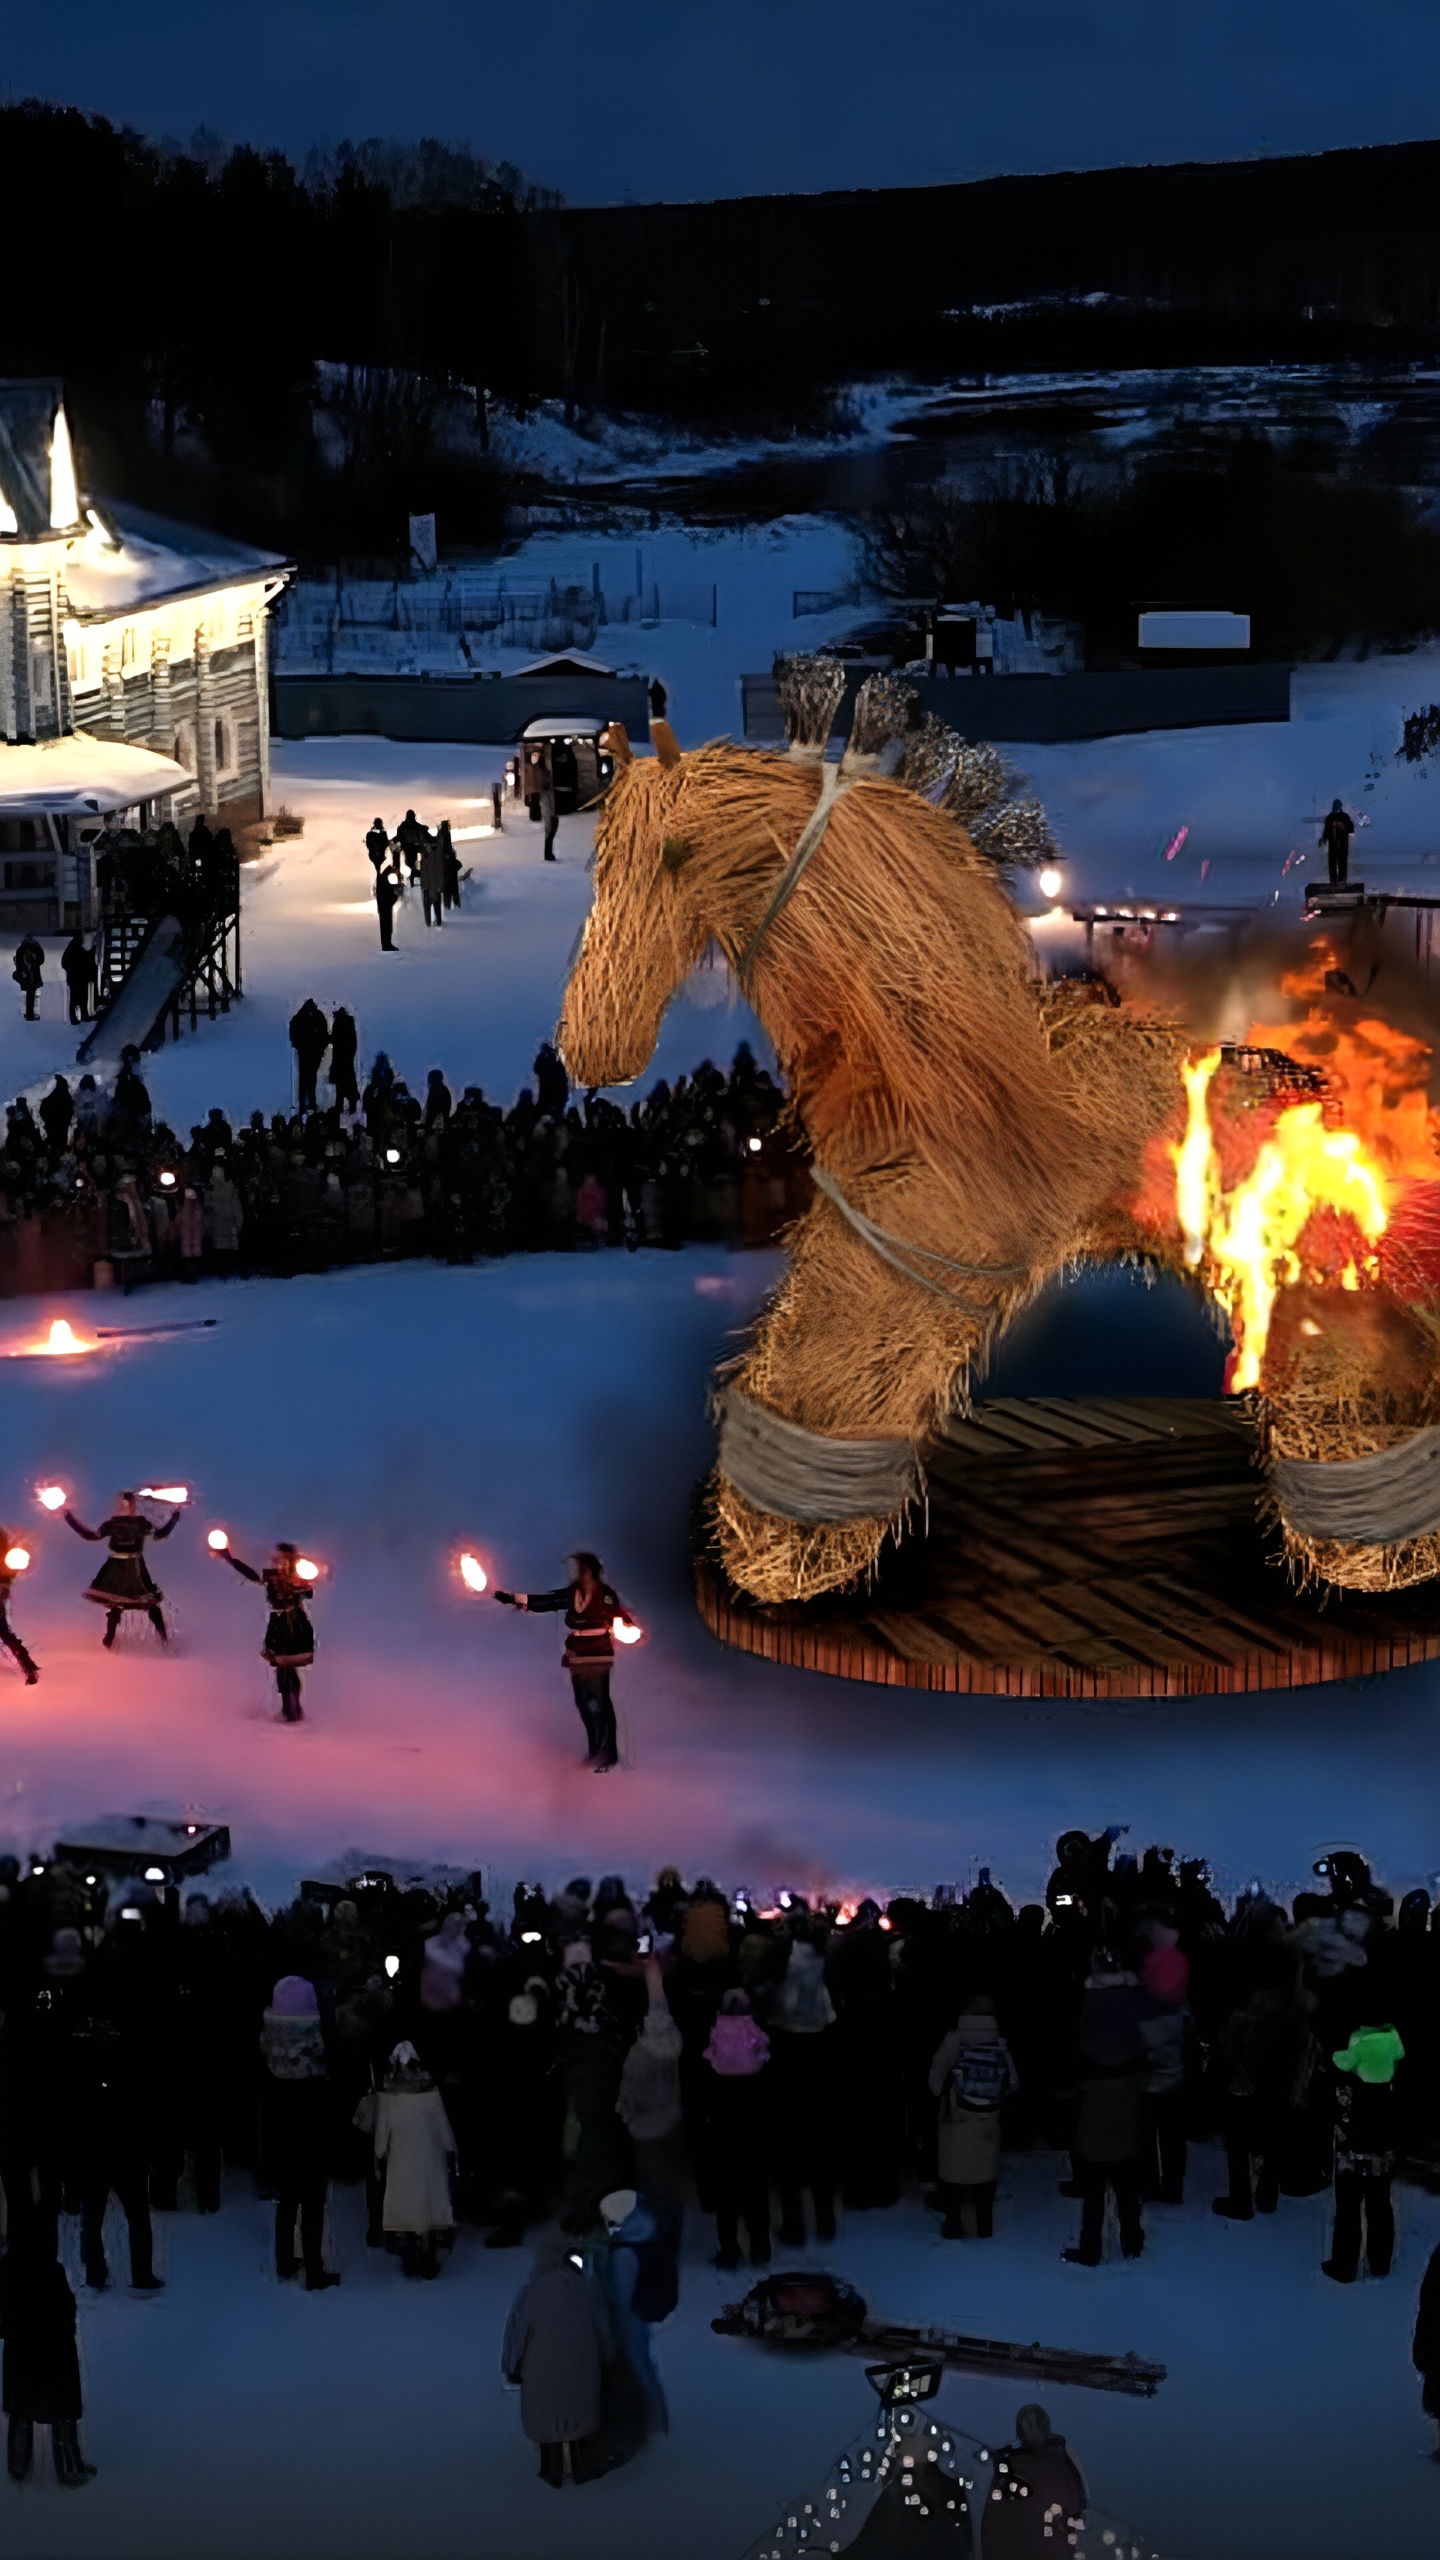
646, 99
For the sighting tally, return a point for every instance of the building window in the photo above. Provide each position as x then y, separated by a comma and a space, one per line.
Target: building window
222, 747
127, 645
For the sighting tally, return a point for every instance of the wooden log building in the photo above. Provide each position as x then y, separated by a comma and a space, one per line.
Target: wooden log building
124, 628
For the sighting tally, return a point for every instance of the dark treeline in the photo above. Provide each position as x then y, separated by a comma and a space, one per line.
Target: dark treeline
1318, 556
301, 355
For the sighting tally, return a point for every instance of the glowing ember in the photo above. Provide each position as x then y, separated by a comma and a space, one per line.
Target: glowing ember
51, 1497
16, 1559
473, 1574
164, 1493
305, 1571
1249, 1237
217, 1542
62, 1341
624, 1631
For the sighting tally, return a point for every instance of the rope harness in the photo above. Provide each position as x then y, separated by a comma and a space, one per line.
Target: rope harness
894, 1249
1378, 1501
807, 1476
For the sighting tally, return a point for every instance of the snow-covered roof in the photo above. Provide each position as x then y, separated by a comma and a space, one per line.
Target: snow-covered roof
567, 662
580, 724
155, 558
81, 776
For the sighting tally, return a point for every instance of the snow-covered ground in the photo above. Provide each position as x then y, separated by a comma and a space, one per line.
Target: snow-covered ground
233, 2416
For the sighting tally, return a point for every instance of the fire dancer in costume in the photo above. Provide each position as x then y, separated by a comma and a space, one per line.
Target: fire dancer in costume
8, 1637
592, 1609
123, 1581
289, 1645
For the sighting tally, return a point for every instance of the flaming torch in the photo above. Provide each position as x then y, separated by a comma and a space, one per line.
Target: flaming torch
625, 1631
51, 1497
175, 1494
218, 1542
473, 1573
305, 1571
16, 1559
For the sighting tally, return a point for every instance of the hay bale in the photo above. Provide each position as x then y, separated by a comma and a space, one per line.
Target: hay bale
1348, 1374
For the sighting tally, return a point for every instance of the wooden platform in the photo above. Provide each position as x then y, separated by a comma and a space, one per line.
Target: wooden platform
1101, 1548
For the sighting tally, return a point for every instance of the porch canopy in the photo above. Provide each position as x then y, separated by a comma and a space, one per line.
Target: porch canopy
80, 777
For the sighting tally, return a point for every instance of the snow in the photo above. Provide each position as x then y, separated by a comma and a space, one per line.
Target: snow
80, 775
155, 558
636, 450
234, 2414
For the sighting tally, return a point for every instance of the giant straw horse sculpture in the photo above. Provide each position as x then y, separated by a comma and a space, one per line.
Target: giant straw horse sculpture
970, 1132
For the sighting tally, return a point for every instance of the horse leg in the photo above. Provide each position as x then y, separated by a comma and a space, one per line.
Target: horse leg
855, 1350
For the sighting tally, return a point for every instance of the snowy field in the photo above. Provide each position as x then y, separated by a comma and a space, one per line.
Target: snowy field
386, 1416
235, 2417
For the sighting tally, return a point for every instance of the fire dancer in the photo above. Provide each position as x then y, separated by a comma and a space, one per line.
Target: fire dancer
123, 1581
13, 1560
592, 1609
289, 1645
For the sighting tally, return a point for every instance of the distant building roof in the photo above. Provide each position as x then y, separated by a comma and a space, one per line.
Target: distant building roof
576, 724
82, 776
156, 558
569, 662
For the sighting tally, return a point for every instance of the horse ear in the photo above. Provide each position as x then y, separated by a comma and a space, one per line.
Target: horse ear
665, 743
615, 740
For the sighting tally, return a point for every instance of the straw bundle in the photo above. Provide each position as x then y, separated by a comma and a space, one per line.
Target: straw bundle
1352, 1383
975, 1137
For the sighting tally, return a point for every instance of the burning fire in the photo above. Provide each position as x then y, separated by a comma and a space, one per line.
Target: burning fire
51, 1497
16, 1559
62, 1341
305, 1571
625, 1631
1252, 1236
473, 1573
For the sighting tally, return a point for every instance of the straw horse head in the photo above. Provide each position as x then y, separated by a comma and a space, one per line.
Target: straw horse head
970, 1134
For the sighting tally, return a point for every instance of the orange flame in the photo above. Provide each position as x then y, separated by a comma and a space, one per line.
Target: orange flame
1249, 1237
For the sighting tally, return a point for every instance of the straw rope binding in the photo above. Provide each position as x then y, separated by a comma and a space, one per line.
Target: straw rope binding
806, 1475
1377, 1501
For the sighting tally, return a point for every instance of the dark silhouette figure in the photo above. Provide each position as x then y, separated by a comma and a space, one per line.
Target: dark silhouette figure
289, 1645
1335, 836
123, 1581
56, 1110
77, 961
42, 2368
377, 844
309, 1038
343, 1048
29, 971
387, 890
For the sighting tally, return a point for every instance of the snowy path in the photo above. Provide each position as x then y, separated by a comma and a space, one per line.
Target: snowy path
236, 2416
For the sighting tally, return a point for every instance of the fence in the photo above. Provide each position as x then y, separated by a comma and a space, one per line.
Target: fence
383, 623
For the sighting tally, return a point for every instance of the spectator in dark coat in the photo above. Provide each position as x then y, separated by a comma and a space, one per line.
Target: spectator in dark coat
737, 2104
1106, 2146
558, 2341
77, 961
344, 1045
42, 2369
450, 863
377, 844
387, 890
298, 2127
309, 1038
432, 879
29, 971
1365, 2122
55, 1112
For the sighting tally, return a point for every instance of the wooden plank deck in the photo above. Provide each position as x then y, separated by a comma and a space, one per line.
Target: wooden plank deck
1100, 1547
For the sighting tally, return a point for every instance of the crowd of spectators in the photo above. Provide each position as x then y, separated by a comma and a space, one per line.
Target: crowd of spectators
593, 2054
92, 1177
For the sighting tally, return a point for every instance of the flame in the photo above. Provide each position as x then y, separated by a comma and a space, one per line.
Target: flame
16, 1559
62, 1340
1249, 1236
305, 1571
473, 1574
51, 1497
164, 1493
625, 1631
217, 1541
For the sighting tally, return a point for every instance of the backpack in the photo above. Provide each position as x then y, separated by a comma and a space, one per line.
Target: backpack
980, 2076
